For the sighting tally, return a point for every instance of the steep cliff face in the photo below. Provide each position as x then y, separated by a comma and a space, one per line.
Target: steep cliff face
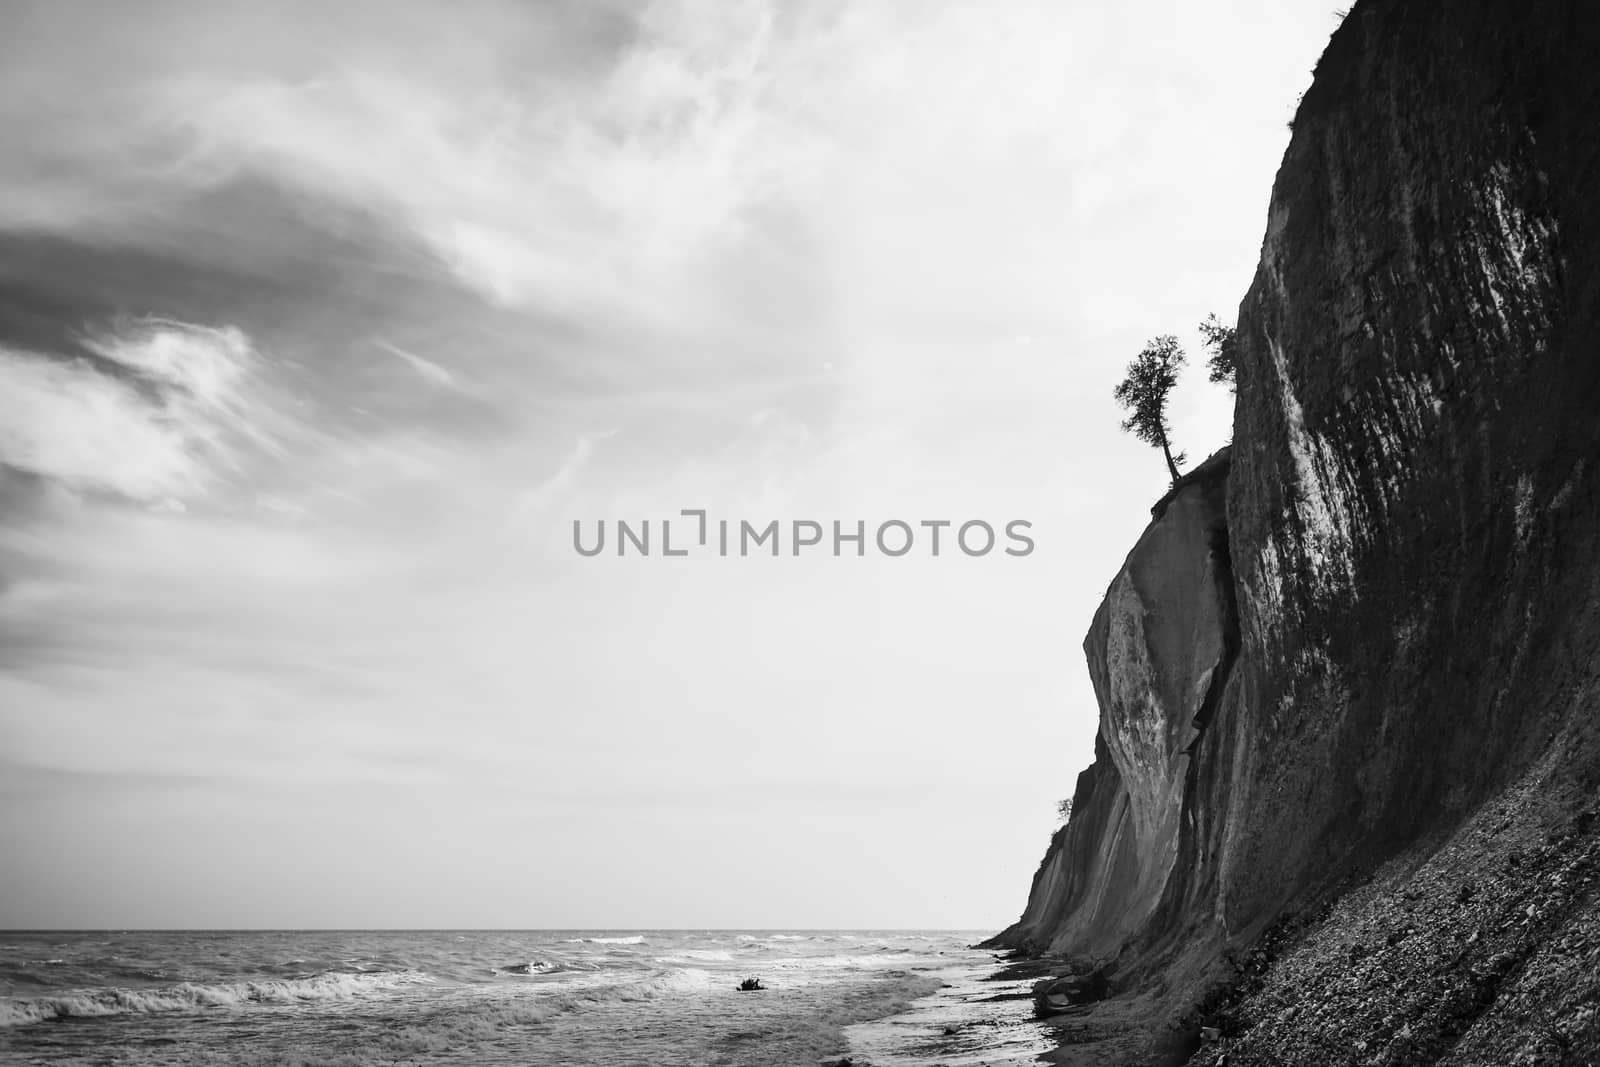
1158, 651
1411, 513
1413, 502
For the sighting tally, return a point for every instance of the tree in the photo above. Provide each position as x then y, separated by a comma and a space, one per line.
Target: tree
1144, 393
1223, 344
1064, 809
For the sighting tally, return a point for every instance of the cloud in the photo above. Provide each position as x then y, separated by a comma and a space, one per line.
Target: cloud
427, 370
530, 204
593, 170
167, 410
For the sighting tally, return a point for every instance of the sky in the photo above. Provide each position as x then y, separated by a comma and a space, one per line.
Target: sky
321, 325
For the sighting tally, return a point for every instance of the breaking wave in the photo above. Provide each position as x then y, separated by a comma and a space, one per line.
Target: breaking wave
684, 980
536, 967
193, 997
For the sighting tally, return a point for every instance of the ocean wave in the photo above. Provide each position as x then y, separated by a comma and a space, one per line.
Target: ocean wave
546, 967
606, 991
20, 1011
636, 939
703, 955
884, 959
536, 967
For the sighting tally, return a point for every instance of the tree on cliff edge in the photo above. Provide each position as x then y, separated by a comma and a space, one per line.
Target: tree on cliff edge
1222, 342
1144, 393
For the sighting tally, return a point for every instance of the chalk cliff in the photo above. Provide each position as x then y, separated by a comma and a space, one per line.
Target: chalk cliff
1159, 650
1348, 678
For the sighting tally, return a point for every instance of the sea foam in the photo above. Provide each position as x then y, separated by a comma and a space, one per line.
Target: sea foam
191, 996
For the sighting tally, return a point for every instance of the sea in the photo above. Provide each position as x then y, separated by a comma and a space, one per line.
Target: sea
662, 998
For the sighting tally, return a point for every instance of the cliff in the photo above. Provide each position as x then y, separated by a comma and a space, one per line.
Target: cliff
1158, 650
1341, 803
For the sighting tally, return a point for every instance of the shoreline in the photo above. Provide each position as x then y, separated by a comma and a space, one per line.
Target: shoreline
983, 1015
986, 1017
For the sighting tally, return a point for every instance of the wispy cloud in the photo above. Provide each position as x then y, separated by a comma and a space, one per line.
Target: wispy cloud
166, 410
427, 370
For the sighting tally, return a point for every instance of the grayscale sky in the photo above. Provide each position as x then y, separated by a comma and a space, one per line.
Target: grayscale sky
320, 323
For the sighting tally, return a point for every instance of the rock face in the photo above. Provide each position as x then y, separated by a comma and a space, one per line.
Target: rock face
1393, 623
1159, 650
